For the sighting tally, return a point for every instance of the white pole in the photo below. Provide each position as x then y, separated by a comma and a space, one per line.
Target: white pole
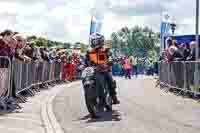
197, 29
197, 43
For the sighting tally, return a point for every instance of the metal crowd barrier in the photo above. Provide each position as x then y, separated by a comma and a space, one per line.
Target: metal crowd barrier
27, 75
5, 76
17, 76
179, 75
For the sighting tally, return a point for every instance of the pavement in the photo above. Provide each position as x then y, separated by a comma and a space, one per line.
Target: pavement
36, 115
143, 109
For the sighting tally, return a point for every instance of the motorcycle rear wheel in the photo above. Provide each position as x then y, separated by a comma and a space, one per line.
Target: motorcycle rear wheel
91, 105
108, 103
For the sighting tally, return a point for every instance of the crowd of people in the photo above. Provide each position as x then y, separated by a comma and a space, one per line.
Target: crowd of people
130, 66
178, 52
15, 46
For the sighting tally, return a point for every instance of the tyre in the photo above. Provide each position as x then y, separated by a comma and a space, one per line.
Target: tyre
91, 105
108, 99
108, 103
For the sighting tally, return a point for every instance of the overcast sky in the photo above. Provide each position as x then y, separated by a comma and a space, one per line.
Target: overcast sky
69, 20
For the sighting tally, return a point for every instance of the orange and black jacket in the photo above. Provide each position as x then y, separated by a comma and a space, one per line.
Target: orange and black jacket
97, 56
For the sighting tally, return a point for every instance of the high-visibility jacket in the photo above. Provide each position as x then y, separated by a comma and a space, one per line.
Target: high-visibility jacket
99, 56
132, 60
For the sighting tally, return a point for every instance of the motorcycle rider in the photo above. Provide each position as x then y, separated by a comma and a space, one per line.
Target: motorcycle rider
99, 56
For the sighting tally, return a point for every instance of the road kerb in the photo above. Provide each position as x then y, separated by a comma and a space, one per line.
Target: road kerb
48, 117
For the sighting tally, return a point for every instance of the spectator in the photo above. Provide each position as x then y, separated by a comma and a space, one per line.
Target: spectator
164, 56
127, 68
174, 52
191, 57
114, 68
20, 49
44, 54
52, 56
150, 69
71, 69
156, 68
37, 55
181, 48
64, 69
29, 50
133, 61
6, 48
186, 51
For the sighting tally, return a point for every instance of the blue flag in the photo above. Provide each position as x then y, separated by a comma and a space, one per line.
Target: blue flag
164, 28
95, 25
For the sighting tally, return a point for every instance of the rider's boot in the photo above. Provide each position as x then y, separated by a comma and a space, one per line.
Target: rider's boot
101, 104
108, 109
115, 100
94, 116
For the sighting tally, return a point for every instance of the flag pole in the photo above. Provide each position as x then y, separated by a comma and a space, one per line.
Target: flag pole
197, 30
197, 44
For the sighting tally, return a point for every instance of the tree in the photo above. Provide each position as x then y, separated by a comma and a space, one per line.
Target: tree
77, 45
84, 47
44, 42
67, 45
31, 38
41, 42
131, 40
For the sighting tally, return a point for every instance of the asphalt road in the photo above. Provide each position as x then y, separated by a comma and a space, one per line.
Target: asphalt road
143, 109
